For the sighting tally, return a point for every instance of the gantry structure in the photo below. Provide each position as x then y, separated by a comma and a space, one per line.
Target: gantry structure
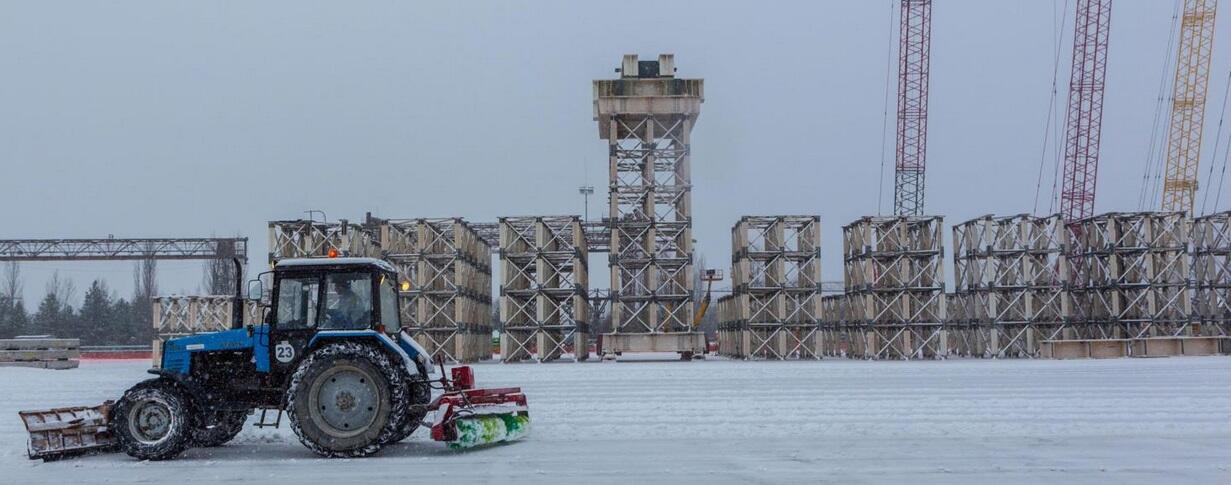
646, 116
123, 249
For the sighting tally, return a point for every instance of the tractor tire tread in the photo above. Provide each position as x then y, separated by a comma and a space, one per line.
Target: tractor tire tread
356, 351
180, 437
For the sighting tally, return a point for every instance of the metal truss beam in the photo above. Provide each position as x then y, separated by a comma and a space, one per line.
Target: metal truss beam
122, 249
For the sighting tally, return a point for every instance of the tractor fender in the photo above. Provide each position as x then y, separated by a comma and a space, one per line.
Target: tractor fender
185, 383
326, 336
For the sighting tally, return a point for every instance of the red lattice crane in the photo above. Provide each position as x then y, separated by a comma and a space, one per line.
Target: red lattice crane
1083, 125
914, 55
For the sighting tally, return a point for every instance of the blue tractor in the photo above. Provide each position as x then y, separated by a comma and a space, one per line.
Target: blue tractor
330, 354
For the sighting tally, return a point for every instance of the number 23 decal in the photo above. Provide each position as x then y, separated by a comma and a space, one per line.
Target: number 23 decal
284, 352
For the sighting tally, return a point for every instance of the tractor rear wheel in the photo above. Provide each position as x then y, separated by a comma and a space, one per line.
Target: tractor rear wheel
229, 424
153, 421
346, 400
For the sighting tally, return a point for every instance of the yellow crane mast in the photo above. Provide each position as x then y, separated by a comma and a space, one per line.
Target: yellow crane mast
1192, 75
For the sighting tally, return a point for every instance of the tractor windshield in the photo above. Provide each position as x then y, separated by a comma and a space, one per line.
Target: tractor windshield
348, 298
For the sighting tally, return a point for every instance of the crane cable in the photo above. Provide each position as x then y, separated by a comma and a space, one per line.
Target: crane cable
1226, 148
1155, 153
880, 189
1057, 34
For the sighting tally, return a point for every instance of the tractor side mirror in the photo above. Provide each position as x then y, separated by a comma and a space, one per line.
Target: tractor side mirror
256, 290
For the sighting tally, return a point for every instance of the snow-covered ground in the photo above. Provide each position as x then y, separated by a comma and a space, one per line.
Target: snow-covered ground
717, 421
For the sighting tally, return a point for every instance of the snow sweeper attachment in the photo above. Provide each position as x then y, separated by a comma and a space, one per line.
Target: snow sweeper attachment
468, 417
60, 432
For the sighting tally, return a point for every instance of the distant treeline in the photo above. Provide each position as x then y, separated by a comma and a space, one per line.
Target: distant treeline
102, 319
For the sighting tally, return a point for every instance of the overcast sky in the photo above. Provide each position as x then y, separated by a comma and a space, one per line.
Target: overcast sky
191, 118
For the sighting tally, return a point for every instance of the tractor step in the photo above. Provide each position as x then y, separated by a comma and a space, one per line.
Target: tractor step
56, 433
263, 422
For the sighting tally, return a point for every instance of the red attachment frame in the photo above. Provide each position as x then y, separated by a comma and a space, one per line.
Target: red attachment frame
463, 377
461, 399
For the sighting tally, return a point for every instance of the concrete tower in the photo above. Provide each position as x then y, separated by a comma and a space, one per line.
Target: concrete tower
646, 116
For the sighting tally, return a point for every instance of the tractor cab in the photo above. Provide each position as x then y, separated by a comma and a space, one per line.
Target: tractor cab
311, 298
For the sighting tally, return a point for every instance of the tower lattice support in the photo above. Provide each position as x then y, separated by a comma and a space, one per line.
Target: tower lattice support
914, 58
1084, 121
1192, 79
646, 117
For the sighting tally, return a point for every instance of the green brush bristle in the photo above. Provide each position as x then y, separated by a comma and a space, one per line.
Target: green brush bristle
493, 428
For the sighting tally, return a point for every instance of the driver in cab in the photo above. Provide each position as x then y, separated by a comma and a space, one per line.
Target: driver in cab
349, 309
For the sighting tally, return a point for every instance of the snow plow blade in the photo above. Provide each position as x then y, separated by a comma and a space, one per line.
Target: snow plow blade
477, 417
56, 433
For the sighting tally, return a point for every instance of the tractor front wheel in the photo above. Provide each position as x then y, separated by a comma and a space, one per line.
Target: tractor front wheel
153, 421
227, 425
346, 400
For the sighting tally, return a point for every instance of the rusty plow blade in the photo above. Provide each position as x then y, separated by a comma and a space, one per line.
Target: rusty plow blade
56, 433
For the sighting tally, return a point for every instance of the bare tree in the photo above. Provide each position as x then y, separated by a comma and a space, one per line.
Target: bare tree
145, 287
11, 286
219, 277
10, 289
10, 299
64, 289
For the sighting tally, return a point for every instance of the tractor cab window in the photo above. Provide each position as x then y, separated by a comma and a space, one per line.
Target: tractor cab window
298, 300
389, 304
348, 301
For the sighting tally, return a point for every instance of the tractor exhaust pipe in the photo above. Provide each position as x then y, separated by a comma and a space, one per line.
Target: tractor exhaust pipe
237, 308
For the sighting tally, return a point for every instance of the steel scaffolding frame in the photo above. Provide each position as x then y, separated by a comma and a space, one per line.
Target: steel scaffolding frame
646, 118
447, 308
895, 290
314, 239
730, 328
776, 280
837, 326
179, 316
544, 288
1009, 292
1212, 274
1131, 276
445, 262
